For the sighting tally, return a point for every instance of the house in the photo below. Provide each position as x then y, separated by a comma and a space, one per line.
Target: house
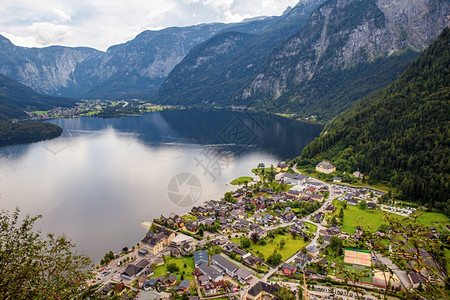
210, 289
133, 270
224, 264
353, 202
210, 272
310, 190
337, 179
252, 261
170, 280
325, 167
243, 275
303, 260
142, 252
141, 280
288, 217
318, 217
181, 239
149, 284
294, 179
288, 269
184, 285
107, 288
228, 248
313, 251
316, 197
156, 242
330, 208
201, 257
372, 205
293, 194
262, 290
119, 287
358, 174
282, 165
191, 226
416, 279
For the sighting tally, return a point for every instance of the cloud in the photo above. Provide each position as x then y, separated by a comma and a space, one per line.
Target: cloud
102, 23
61, 15
46, 33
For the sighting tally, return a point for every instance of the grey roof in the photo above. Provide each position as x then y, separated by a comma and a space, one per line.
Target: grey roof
295, 176
142, 263
201, 257
262, 286
131, 270
209, 271
243, 273
223, 263
184, 284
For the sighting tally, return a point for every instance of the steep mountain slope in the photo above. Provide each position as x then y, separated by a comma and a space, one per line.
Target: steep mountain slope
47, 70
131, 70
346, 44
15, 98
399, 135
216, 71
137, 68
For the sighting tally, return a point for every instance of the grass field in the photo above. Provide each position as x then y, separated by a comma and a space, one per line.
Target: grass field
39, 112
189, 261
242, 180
354, 216
434, 219
291, 247
312, 228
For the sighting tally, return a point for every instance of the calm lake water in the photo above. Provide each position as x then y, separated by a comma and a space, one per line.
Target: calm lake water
104, 180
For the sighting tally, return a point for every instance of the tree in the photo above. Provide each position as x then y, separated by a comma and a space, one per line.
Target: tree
172, 268
245, 242
286, 294
261, 165
274, 259
255, 237
282, 244
334, 221
341, 214
363, 205
335, 243
33, 267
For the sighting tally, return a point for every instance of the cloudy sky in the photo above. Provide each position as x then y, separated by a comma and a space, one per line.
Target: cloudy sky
102, 23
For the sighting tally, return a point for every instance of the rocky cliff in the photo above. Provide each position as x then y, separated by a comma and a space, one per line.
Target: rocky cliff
340, 36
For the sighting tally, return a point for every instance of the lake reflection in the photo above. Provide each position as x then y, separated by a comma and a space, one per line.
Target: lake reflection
104, 177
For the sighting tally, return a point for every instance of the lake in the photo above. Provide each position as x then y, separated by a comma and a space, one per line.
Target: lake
104, 180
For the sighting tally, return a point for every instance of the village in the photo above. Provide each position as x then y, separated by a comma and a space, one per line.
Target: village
278, 231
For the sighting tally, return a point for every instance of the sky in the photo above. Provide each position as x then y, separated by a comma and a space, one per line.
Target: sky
103, 23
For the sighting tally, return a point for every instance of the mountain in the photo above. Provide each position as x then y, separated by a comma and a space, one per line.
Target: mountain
348, 49
131, 70
47, 70
15, 98
216, 71
400, 134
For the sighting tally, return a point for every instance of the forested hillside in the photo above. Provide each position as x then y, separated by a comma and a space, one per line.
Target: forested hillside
400, 134
15, 99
